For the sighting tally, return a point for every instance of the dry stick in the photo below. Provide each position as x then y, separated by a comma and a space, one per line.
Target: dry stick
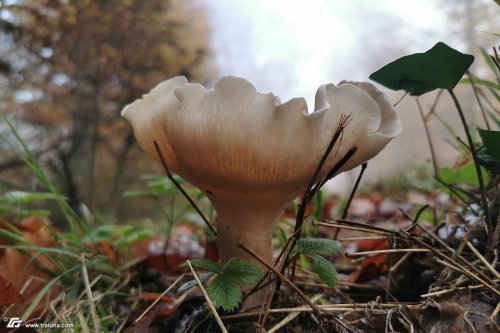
453, 252
451, 262
376, 252
279, 263
341, 226
351, 196
158, 299
88, 290
179, 187
428, 135
483, 260
209, 302
344, 121
290, 317
489, 249
281, 276
463, 271
406, 235
478, 100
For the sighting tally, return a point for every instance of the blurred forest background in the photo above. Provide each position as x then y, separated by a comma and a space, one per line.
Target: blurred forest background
68, 67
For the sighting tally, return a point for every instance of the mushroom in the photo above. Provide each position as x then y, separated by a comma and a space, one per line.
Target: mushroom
251, 154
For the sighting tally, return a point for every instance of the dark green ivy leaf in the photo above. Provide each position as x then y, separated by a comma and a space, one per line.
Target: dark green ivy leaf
419, 73
489, 153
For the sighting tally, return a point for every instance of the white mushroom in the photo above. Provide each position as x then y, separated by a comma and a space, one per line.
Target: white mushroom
250, 155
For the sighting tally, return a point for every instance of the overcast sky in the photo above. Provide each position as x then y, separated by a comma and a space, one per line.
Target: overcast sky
291, 47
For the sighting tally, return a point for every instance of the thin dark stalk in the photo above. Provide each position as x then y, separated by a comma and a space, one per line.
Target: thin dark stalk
308, 194
474, 89
406, 93
351, 196
429, 141
179, 187
434, 104
476, 164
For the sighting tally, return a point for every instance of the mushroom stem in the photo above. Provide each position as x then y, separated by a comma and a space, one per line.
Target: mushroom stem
251, 223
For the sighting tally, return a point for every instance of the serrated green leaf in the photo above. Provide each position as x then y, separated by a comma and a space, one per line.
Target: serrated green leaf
191, 284
204, 264
317, 245
242, 271
224, 292
324, 269
419, 73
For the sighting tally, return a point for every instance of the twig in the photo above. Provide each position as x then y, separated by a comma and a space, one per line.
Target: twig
290, 317
489, 250
376, 252
358, 307
179, 187
429, 141
351, 196
88, 290
158, 299
308, 194
478, 100
483, 260
209, 301
467, 273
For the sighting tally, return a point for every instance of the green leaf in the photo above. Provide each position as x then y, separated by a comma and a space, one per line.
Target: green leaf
204, 264
491, 64
465, 175
487, 161
25, 197
491, 140
324, 269
191, 284
419, 73
242, 271
317, 245
224, 292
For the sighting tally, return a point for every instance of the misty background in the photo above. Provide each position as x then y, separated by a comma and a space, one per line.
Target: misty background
68, 68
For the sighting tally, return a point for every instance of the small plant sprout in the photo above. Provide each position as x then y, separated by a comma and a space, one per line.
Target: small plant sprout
251, 154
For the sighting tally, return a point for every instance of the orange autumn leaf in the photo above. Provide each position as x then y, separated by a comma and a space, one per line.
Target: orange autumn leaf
8, 292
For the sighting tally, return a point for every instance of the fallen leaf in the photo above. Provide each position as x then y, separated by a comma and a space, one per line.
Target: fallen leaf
8, 292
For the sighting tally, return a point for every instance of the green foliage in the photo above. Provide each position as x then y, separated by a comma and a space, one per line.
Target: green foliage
119, 234
317, 246
242, 271
191, 284
465, 175
489, 153
324, 269
225, 292
224, 289
419, 73
205, 264
311, 248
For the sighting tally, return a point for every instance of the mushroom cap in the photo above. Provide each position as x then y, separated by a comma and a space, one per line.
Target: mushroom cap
233, 139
